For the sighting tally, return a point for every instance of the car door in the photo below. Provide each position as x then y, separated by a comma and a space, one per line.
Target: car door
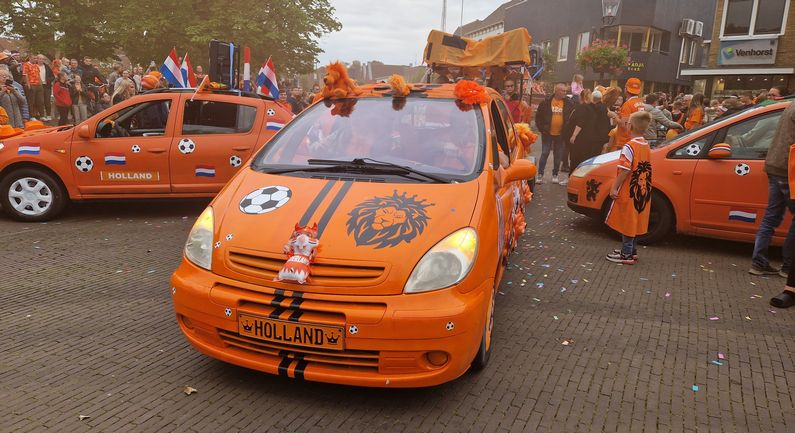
508, 195
127, 150
730, 194
215, 136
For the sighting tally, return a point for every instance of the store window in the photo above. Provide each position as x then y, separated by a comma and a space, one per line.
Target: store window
754, 17
583, 39
546, 46
563, 48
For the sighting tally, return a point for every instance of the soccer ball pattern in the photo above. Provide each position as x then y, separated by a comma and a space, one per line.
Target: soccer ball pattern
742, 169
235, 161
136, 148
271, 112
186, 146
229, 237
265, 200
693, 149
449, 326
84, 164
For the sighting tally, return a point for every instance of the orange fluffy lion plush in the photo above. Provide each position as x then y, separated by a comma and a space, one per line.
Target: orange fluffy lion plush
337, 83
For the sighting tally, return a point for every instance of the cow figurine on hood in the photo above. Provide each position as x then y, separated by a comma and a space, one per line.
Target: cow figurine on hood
300, 250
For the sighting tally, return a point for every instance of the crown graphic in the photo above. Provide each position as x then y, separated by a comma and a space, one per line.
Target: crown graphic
332, 339
247, 326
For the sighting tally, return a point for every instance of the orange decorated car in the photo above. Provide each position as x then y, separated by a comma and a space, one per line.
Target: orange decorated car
708, 182
168, 143
364, 244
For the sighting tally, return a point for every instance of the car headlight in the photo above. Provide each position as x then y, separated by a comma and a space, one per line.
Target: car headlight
447, 263
199, 247
582, 170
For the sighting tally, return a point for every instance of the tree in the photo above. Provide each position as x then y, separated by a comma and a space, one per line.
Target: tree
604, 57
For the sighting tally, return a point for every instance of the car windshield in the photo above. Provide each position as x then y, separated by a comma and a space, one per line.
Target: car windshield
435, 136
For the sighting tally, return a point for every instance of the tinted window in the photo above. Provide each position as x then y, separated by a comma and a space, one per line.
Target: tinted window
144, 119
768, 17
751, 138
738, 17
211, 117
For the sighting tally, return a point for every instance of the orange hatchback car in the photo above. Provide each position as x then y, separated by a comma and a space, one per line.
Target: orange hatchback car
168, 143
720, 194
365, 243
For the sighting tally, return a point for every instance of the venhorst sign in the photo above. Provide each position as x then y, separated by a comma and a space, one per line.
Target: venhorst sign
748, 52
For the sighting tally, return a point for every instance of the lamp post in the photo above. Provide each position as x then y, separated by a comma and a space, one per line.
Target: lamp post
609, 11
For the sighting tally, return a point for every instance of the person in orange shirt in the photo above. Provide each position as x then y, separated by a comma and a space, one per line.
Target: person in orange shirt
551, 117
695, 112
632, 104
631, 191
34, 88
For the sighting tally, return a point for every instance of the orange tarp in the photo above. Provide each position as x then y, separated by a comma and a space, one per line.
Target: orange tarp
511, 47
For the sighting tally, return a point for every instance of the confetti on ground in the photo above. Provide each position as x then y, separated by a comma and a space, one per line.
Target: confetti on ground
644, 279
721, 356
772, 311
714, 318
586, 280
562, 289
555, 317
565, 342
753, 283
540, 285
695, 388
82, 417
747, 317
536, 299
667, 294
501, 293
716, 362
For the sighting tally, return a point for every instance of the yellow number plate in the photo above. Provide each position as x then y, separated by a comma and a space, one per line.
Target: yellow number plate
292, 333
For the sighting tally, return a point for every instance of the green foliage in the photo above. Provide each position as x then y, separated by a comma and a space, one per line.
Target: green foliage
287, 30
604, 57
548, 74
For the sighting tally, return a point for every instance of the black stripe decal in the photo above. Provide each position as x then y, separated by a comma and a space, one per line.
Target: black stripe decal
295, 316
279, 292
284, 366
296, 302
298, 294
315, 203
277, 301
300, 368
332, 208
276, 313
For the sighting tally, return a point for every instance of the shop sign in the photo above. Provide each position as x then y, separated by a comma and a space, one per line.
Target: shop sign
748, 52
636, 66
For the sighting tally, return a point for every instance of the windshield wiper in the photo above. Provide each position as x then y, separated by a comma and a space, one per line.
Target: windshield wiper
369, 164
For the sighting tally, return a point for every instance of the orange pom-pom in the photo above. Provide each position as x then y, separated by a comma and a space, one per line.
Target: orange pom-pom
526, 135
399, 87
470, 92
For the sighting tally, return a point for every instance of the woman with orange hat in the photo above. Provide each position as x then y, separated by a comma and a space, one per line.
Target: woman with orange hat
632, 104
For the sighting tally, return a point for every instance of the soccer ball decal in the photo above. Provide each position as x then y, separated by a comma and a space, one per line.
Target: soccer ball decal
742, 169
186, 146
235, 161
265, 200
136, 148
693, 149
84, 164
271, 112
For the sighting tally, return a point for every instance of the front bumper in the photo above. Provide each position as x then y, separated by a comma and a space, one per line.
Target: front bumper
585, 195
387, 343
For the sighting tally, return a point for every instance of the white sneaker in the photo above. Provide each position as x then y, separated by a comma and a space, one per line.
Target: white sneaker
555, 179
564, 182
539, 179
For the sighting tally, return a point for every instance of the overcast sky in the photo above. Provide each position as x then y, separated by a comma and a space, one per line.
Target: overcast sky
393, 32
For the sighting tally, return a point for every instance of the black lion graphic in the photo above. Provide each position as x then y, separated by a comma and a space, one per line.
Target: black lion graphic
388, 221
592, 189
640, 186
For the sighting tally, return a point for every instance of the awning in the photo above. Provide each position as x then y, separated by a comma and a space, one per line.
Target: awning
737, 71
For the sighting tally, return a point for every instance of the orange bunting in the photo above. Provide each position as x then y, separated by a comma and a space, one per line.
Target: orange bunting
470, 92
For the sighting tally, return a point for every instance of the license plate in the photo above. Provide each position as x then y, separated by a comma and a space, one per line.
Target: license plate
292, 333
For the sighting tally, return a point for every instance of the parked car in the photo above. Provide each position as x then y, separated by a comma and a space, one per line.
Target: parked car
719, 194
168, 143
399, 215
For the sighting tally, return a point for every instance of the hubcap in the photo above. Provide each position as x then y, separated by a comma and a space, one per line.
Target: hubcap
30, 196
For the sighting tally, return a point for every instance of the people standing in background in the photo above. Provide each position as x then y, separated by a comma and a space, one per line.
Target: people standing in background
551, 121
520, 111
633, 104
747, 99
677, 115
47, 80
576, 87
695, 112
296, 100
34, 88
11, 100
591, 126
125, 90
63, 99
114, 75
777, 92
658, 120
79, 100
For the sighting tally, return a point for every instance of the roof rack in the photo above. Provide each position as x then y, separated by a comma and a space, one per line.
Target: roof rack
209, 90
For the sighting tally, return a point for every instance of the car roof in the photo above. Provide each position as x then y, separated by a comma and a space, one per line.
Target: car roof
241, 93
418, 90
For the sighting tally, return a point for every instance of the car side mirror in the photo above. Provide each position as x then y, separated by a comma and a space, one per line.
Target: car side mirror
720, 151
83, 131
521, 169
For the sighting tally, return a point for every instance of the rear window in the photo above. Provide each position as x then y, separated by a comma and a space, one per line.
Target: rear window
432, 135
211, 117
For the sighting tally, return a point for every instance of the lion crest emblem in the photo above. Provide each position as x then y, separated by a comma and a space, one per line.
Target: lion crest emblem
640, 186
387, 221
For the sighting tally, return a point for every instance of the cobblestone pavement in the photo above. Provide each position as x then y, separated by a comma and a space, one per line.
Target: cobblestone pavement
87, 328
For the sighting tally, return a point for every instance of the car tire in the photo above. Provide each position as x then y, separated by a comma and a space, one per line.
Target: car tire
32, 195
661, 220
484, 351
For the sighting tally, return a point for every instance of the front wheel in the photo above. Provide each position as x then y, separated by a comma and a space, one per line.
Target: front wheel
484, 351
661, 220
32, 195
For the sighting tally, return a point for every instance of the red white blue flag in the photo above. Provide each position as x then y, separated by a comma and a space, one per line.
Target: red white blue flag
266, 80
186, 71
170, 70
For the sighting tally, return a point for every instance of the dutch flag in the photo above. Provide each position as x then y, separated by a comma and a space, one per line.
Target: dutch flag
744, 215
266, 80
274, 126
115, 159
186, 72
28, 149
170, 70
205, 171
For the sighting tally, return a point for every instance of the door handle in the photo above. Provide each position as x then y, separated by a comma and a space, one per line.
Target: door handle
677, 172
241, 148
156, 150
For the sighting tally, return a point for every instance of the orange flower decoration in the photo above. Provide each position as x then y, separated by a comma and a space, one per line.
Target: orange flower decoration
399, 87
470, 92
526, 135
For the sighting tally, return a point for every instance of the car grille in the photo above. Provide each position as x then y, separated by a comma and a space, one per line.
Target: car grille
325, 272
573, 198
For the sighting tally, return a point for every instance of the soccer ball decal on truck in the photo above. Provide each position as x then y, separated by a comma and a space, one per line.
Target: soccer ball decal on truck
186, 146
84, 164
742, 169
265, 200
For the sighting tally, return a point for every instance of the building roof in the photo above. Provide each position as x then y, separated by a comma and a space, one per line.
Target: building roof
495, 17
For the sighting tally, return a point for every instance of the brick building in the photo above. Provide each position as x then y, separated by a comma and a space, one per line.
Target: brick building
752, 47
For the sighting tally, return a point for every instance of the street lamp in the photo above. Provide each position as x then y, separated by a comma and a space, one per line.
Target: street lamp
609, 11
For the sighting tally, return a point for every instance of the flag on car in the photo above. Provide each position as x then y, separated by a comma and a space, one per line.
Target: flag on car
743, 214
115, 158
246, 69
205, 171
266, 80
186, 70
170, 70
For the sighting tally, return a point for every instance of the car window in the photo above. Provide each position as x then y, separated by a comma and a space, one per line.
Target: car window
506, 116
751, 138
499, 128
138, 120
693, 149
212, 117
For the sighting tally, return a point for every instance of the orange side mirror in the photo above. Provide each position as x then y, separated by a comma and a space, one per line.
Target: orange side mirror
521, 169
83, 131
